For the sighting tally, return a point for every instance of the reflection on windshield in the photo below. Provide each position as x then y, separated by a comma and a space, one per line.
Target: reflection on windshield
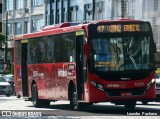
119, 54
157, 76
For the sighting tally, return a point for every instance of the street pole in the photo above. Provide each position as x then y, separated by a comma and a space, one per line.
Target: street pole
6, 39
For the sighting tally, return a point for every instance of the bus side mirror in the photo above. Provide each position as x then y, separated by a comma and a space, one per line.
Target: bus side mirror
154, 47
86, 49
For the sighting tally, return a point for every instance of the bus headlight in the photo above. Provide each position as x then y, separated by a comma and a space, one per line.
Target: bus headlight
150, 83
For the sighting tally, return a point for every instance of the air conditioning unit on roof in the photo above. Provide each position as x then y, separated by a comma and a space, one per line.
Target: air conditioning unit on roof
19, 11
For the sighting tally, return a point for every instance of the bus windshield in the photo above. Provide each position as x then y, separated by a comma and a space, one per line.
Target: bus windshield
121, 53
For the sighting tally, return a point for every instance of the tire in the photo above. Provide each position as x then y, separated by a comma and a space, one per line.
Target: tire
74, 99
144, 102
130, 105
37, 102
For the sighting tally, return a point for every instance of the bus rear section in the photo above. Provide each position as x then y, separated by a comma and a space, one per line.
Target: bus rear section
120, 63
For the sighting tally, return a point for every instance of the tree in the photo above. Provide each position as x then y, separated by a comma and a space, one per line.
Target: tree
2, 39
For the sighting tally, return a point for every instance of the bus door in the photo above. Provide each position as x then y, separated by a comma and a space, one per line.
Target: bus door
80, 63
24, 67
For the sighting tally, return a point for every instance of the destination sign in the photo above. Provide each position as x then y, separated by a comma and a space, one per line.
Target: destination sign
116, 28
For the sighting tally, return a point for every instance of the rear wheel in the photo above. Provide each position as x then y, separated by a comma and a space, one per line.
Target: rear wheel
35, 100
74, 99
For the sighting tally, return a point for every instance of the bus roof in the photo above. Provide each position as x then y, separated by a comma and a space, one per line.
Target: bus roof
67, 27
53, 29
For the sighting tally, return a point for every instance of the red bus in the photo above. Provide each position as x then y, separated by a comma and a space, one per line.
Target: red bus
101, 61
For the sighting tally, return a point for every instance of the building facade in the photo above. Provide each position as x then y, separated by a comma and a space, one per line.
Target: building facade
0, 16
151, 12
23, 16
27, 16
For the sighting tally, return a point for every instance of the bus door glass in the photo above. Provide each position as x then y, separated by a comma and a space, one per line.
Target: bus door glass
24, 67
80, 62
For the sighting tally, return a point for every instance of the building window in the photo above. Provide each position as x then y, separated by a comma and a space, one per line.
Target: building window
99, 10
53, 13
37, 2
149, 6
27, 3
37, 24
133, 7
26, 27
47, 18
19, 4
65, 14
9, 4
0, 26
53, 18
58, 15
74, 13
18, 28
155, 5
65, 11
0, 7
10, 29
48, 6
88, 10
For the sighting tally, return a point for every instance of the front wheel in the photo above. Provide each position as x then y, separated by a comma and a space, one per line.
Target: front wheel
35, 100
130, 105
74, 99
144, 102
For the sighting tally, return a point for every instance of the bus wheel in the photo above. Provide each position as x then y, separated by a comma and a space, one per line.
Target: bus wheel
35, 100
130, 105
74, 99
144, 102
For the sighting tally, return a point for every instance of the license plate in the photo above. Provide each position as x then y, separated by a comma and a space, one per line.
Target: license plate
126, 93
157, 91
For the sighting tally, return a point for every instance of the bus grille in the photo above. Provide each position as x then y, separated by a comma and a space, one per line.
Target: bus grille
118, 92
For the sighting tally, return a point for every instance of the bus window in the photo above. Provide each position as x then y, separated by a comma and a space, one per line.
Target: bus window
70, 47
64, 44
136, 52
50, 49
18, 52
41, 49
31, 52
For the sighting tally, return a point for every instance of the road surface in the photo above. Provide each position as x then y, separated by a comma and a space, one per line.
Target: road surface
11, 107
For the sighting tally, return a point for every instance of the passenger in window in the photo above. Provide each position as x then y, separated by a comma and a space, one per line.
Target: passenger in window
50, 51
33, 54
41, 51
